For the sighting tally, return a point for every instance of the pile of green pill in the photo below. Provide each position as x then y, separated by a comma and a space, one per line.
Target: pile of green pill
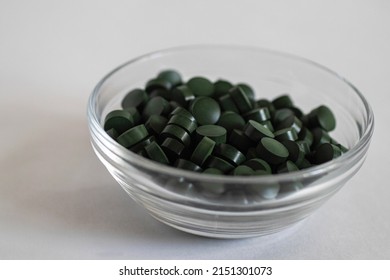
220, 128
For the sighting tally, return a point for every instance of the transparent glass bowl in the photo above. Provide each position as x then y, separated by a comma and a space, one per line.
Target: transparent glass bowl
184, 199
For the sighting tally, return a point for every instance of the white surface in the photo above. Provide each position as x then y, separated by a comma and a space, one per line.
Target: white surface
57, 201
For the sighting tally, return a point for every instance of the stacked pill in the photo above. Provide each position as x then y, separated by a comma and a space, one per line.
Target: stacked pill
220, 128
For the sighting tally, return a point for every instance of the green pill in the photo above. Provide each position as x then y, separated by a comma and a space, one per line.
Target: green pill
221, 87
135, 98
219, 163
134, 114
320, 136
156, 106
239, 140
243, 170
183, 122
182, 95
268, 124
205, 110
251, 153
154, 152
259, 164
120, 120
173, 148
231, 120
326, 152
281, 114
133, 136
261, 103
213, 171
227, 104
287, 167
295, 154
248, 90
272, 151
157, 83
112, 133
303, 146
214, 132
306, 135
187, 165
176, 132
321, 117
286, 134
283, 101
256, 131
171, 76
182, 112
202, 151
230, 154
201, 86
290, 121
258, 114
142, 144
166, 94
155, 124
240, 99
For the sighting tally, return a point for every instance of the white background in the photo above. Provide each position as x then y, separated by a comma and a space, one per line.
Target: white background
57, 201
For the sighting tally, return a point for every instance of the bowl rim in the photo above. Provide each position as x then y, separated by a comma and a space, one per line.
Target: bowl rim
148, 164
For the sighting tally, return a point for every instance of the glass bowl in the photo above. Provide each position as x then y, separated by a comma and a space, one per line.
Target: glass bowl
188, 200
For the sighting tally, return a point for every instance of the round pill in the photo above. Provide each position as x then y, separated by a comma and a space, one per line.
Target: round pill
258, 114
258, 164
268, 124
219, 163
295, 154
183, 112
187, 165
261, 103
283, 101
303, 146
135, 98
231, 120
120, 120
306, 135
173, 148
282, 114
213, 171
142, 144
227, 104
290, 121
155, 106
176, 132
155, 124
157, 83
205, 110
202, 151
239, 140
286, 134
322, 117
229, 153
112, 133
240, 99
172, 76
221, 87
242, 170
133, 136
287, 167
134, 114
326, 152
251, 153
256, 131
249, 92
154, 152
183, 122
201, 86
214, 132
166, 94
320, 136
272, 151
182, 95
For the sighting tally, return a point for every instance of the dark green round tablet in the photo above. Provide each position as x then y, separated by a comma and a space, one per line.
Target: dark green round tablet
282, 114
202, 151
155, 106
183, 112
155, 124
213, 171
231, 120
133, 136
176, 132
173, 148
304, 164
229, 153
295, 154
187, 165
154, 152
287, 167
306, 135
290, 121
172, 76
268, 124
112, 133
205, 110
221, 87
240, 99
174, 104
201, 86
303, 146
120, 120
320, 136
184, 122
242, 170
258, 114
251, 153
272, 151
135, 98
164, 93
322, 117
134, 113
182, 95
214, 132
227, 104
142, 144
283, 101
157, 83
219, 163
239, 140
258, 164
256, 131
286, 134
248, 90
261, 103
326, 152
